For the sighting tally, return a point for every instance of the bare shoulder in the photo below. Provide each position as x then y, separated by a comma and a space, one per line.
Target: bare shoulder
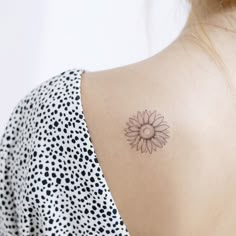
170, 83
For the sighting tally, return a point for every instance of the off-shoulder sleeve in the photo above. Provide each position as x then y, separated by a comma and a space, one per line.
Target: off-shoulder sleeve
16, 150
36, 139
9, 143
51, 182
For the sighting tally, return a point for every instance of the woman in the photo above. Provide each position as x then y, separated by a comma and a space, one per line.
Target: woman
144, 149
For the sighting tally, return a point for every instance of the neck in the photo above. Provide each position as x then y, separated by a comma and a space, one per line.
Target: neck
218, 18
214, 33
211, 35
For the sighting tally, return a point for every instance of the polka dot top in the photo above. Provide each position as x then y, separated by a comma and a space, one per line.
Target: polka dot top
51, 182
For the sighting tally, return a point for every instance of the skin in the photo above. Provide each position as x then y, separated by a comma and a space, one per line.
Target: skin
188, 186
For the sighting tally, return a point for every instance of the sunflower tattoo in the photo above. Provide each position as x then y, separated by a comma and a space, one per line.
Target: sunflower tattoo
146, 131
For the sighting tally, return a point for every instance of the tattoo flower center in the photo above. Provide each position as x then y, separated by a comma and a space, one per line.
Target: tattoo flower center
147, 131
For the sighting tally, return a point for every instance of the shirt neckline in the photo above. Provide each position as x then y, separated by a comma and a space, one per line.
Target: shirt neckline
81, 77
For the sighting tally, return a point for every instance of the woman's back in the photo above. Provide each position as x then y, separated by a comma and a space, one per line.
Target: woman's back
66, 155
186, 187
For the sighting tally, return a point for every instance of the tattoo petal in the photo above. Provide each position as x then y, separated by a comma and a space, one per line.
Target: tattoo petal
152, 117
161, 127
158, 121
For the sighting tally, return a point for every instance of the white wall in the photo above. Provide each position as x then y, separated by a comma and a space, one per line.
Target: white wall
40, 39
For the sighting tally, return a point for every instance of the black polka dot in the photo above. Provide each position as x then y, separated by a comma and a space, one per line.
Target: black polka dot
90, 152
100, 191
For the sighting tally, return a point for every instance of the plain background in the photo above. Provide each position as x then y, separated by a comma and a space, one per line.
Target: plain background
40, 39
